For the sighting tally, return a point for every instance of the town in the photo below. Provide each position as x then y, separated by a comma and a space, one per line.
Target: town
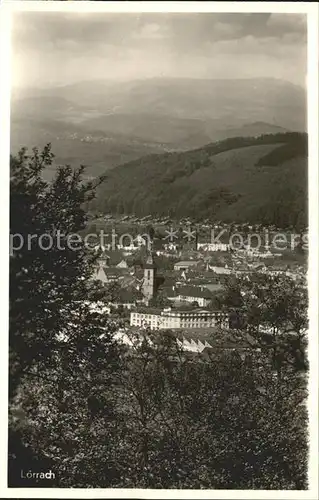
165, 279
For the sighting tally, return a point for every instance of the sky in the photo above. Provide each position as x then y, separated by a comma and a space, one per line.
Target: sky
56, 48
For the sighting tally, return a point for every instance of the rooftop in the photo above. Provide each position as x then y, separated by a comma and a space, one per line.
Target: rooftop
195, 310
149, 266
148, 310
129, 295
192, 291
215, 336
115, 271
187, 263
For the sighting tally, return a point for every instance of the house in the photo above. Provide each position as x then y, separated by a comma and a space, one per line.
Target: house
109, 274
220, 270
213, 287
203, 340
98, 307
170, 246
275, 271
184, 265
191, 294
110, 267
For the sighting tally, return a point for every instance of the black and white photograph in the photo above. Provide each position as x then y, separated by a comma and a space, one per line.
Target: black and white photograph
159, 247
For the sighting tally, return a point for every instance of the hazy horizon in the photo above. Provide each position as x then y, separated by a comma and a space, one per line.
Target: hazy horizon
148, 79
50, 48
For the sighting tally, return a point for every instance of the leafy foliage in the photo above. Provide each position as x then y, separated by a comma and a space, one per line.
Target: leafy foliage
48, 275
173, 422
273, 310
53, 333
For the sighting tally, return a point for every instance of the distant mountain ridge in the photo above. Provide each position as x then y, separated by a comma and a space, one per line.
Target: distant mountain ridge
240, 101
107, 123
178, 146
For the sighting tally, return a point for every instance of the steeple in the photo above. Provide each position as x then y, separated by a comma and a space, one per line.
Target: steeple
150, 259
148, 287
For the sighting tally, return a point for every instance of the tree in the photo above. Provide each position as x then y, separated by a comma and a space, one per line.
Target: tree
55, 338
209, 422
273, 310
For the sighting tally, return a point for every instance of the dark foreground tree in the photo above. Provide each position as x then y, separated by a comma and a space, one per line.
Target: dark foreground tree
174, 420
55, 338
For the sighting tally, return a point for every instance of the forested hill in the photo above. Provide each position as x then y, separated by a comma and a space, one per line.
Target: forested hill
259, 179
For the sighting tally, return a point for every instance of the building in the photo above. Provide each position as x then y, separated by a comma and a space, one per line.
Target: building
146, 318
123, 264
98, 307
169, 318
148, 285
213, 247
203, 339
127, 298
220, 270
184, 265
213, 287
110, 267
191, 294
207, 343
171, 246
109, 274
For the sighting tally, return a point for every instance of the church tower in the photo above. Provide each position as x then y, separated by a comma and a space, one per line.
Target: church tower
148, 287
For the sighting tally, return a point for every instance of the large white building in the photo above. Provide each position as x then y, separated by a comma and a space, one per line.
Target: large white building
213, 247
169, 318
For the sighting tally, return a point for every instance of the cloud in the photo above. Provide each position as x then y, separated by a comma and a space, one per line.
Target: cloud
226, 30
151, 31
288, 23
69, 47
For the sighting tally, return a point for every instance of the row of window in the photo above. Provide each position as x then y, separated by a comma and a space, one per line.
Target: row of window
143, 316
183, 317
201, 316
184, 323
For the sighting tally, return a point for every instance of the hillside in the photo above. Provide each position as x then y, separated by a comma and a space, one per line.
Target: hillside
259, 179
75, 145
103, 124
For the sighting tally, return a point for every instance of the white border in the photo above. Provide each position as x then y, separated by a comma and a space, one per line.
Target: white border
311, 9
312, 83
162, 6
